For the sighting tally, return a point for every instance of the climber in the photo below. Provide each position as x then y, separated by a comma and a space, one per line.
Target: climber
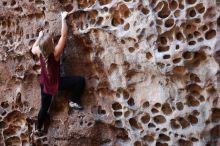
50, 80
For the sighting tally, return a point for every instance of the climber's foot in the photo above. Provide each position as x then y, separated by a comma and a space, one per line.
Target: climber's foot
75, 105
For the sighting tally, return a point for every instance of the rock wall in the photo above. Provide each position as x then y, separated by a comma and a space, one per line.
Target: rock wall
151, 68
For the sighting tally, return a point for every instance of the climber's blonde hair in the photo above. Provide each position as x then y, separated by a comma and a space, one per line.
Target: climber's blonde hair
46, 45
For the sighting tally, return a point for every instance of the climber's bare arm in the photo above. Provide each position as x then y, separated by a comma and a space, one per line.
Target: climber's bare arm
35, 49
62, 41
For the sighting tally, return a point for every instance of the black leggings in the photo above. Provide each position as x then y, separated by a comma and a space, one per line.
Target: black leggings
75, 84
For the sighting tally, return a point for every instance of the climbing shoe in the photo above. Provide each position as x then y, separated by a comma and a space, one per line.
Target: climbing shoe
75, 105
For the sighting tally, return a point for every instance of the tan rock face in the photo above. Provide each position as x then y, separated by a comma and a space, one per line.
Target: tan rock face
151, 68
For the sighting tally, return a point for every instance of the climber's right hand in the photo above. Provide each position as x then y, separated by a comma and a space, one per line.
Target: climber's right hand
63, 15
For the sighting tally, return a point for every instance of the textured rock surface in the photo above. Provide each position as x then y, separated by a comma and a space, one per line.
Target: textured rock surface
152, 72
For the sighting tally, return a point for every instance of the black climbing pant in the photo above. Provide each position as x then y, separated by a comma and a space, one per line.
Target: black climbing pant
74, 84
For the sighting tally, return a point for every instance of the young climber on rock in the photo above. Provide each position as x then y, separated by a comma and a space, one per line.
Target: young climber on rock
50, 80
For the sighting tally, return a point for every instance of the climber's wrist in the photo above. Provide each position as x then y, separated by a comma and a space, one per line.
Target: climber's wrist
64, 15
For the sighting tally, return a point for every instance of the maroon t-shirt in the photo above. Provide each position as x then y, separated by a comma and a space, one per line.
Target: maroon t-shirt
50, 78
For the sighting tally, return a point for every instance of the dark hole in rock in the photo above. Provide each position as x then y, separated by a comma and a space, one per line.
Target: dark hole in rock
176, 60
210, 34
192, 119
151, 125
169, 23
215, 117
68, 8
166, 108
148, 137
163, 48
191, 43
154, 110
183, 142
125, 94
183, 122
131, 101
159, 119
187, 55
174, 124
192, 13
161, 144
179, 105
157, 105
173, 5
190, 1
164, 137
146, 104
166, 56
3, 125
117, 114
148, 55
116, 106
137, 143
134, 123
5, 104
145, 118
